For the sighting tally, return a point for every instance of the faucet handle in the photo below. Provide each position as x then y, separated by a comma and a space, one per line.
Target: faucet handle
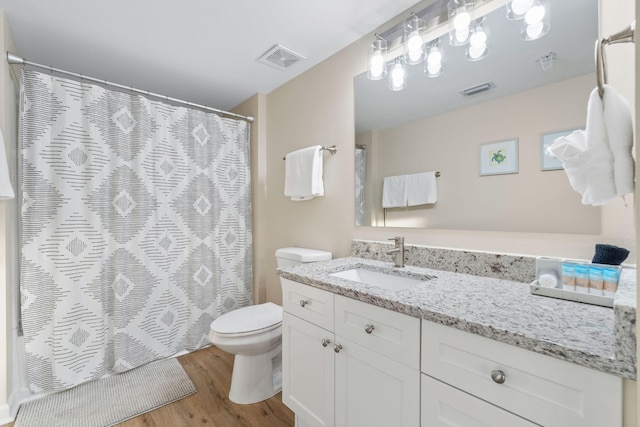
397, 239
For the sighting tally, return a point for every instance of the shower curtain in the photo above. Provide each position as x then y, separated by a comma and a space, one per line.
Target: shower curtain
360, 169
135, 228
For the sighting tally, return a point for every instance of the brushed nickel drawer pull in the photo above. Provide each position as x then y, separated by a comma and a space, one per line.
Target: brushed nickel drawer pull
325, 342
337, 348
369, 328
303, 302
498, 376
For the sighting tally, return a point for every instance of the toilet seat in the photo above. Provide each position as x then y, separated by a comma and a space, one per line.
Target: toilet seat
248, 320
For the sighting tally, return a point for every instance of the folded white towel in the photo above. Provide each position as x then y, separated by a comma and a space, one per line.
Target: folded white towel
617, 116
421, 188
394, 191
600, 186
303, 174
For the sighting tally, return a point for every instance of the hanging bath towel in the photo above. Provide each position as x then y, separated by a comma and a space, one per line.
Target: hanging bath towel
303, 174
422, 189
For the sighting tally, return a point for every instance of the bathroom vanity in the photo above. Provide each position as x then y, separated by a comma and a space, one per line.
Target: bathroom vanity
451, 349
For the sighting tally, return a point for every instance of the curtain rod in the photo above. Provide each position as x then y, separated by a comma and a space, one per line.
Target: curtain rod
15, 59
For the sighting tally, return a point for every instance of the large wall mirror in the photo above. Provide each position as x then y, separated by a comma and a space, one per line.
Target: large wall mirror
538, 89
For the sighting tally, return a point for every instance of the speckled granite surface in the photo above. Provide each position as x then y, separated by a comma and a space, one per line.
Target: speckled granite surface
504, 310
507, 267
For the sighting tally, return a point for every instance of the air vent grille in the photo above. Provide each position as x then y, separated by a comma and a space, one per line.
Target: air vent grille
477, 89
280, 57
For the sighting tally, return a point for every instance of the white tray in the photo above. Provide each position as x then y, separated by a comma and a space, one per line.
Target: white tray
571, 295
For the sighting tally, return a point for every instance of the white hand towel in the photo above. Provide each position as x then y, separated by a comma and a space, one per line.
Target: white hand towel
303, 174
394, 191
422, 188
617, 117
6, 190
600, 185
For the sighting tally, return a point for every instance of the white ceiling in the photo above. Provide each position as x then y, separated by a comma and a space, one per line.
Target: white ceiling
203, 51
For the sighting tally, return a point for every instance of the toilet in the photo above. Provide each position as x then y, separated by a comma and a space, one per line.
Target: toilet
254, 335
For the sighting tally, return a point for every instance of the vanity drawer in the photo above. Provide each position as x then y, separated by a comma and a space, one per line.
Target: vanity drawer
542, 389
392, 334
445, 406
308, 303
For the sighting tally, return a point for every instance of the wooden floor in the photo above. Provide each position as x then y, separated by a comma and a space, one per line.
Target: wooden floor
210, 371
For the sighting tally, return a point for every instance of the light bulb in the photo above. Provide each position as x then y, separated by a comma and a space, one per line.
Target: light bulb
535, 14
520, 7
535, 30
461, 35
376, 65
434, 68
478, 38
415, 41
435, 57
397, 76
475, 52
462, 19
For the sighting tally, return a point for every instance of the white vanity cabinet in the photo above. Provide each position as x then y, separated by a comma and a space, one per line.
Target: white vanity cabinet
493, 380
348, 363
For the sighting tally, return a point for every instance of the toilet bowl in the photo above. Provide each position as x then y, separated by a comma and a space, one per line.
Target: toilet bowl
254, 335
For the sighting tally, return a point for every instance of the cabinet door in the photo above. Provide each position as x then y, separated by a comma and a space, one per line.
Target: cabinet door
307, 371
373, 390
445, 406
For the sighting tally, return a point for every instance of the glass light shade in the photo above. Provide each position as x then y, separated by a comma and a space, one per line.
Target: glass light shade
516, 9
413, 46
377, 66
478, 48
433, 64
536, 21
398, 75
459, 12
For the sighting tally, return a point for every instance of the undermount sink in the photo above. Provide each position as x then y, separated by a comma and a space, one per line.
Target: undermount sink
379, 279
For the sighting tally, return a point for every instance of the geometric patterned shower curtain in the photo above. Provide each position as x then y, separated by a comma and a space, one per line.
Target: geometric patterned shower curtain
135, 228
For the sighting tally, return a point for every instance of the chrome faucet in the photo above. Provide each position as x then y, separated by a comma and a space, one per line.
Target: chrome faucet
398, 250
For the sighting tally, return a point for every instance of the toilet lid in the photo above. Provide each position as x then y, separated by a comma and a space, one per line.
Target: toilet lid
247, 319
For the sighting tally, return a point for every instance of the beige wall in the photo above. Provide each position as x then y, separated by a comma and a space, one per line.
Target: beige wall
8, 225
531, 200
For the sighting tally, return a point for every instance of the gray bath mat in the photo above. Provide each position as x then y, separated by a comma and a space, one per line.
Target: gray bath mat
111, 400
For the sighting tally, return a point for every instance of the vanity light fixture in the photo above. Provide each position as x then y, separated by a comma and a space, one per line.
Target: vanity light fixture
413, 45
398, 75
433, 64
536, 21
478, 48
377, 68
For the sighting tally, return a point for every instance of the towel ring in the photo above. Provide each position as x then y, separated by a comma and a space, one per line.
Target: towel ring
624, 36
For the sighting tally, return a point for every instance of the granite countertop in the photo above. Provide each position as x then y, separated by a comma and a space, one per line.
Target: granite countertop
597, 337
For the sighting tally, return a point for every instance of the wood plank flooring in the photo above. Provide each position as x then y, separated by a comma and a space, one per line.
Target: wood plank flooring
210, 371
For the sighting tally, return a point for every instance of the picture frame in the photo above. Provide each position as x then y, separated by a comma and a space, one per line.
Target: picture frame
498, 158
549, 162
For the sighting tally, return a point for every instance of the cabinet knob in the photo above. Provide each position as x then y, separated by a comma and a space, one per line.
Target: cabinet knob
325, 342
337, 348
498, 376
303, 302
369, 328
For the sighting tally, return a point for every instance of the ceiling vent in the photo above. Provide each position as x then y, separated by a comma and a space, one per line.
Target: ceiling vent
477, 89
280, 57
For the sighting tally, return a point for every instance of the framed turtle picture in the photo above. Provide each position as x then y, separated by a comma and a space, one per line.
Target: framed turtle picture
497, 158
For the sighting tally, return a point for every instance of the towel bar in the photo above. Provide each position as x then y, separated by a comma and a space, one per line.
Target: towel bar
333, 150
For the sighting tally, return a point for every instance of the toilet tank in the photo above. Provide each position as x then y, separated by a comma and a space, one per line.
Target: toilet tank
288, 257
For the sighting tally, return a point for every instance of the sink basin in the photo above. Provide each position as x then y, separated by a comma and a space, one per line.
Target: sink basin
378, 279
